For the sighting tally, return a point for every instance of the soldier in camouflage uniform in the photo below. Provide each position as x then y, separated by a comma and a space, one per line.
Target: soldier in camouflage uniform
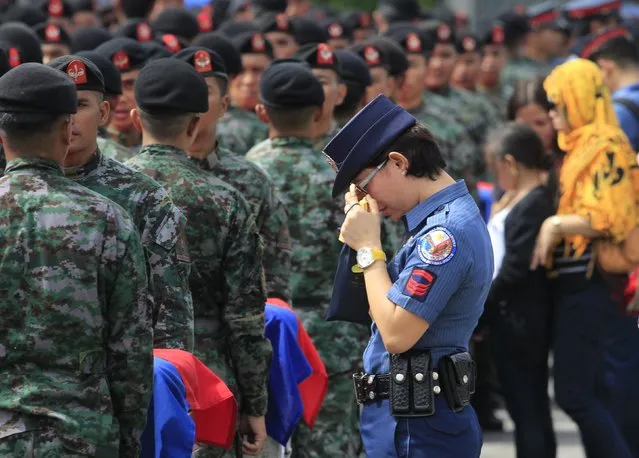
292, 98
227, 279
255, 185
75, 336
327, 69
160, 224
240, 129
492, 64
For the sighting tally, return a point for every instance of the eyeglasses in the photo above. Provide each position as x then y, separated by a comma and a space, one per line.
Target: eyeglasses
361, 187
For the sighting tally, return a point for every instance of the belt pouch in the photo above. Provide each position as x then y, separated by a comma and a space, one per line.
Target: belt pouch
458, 379
422, 382
399, 385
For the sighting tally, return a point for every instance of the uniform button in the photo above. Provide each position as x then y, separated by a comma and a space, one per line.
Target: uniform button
399, 378
371, 395
437, 389
465, 379
435, 376
371, 379
419, 377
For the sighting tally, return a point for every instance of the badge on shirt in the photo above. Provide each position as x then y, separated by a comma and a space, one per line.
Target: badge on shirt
419, 284
437, 247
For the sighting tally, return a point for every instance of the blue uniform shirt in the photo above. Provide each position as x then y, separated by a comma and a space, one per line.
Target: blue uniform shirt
628, 121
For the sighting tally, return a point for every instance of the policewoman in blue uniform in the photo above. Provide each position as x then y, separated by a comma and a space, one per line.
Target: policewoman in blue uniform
427, 300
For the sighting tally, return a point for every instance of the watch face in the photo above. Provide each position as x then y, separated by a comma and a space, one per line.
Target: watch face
365, 257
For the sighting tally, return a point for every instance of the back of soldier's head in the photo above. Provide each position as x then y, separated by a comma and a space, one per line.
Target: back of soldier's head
136, 8
291, 96
622, 51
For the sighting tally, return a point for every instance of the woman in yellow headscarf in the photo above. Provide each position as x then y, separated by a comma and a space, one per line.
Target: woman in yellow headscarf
597, 200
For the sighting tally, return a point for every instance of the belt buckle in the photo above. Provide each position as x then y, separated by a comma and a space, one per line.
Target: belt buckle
358, 378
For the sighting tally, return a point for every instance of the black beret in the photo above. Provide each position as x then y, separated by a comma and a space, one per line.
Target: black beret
171, 42
354, 68
23, 41
468, 42
204, 60
155, 50
410, 38
112, 78
337, 29
232, 29
288, 83
84, 73
308, 31
52, 34
320, 55
136, 29
171, 85
136, 8
494, 35
275, 22
359, 20
125, 53
56, 8
4, 61
397, 60
253, 43
441, 33
515, 26
29, 15
177, 21
88, 38
400, 10
36, 88
82, 5
224, 48
373, 55
263, 6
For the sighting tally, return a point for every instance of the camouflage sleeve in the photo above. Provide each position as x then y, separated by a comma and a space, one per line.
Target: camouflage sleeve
129, 336
244, 310
169, 267
277, 248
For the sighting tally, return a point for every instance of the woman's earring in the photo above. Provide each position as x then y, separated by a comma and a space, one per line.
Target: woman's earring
404, 173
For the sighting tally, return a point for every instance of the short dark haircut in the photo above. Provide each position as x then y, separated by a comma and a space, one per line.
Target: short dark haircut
622, 51
354, 94
136, 8
419, 147
165, 125
223, 85
527, 92
26, 130
522, 143
290, 118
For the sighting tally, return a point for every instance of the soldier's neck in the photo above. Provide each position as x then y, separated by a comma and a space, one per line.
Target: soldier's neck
299, 133
11, 154
412, 104
129, 138
536, 55
182, 143
203, 145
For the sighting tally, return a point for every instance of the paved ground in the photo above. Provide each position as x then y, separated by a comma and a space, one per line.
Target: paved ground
501, 445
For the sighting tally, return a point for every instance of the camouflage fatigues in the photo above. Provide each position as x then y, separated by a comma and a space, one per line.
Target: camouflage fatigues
305, 181
522, 68
226, 279
75, 334
269, 211
496, 98
161, 226
239, 130
113, 150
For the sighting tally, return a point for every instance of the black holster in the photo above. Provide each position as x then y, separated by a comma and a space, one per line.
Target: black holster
458, 373
411, 385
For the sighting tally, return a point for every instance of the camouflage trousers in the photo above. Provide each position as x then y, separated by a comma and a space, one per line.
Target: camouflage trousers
39, 443
271, 449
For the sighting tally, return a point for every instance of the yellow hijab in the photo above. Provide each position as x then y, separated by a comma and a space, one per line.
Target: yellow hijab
598, 179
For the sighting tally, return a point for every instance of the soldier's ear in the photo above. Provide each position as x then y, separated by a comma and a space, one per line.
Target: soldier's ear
260, 110
105, 111
135, 119
224, 106
341, 93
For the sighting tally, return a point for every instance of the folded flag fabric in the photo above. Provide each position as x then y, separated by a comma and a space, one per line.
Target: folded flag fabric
169, 431
213, 405
486, 194
313, 389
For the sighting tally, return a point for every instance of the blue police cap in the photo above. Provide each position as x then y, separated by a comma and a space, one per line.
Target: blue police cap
364, 137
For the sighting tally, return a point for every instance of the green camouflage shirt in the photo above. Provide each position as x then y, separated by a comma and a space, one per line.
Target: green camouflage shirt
320, 143
496, 98
227, 279
522, 68
239, 130
161, 226
305, 181
269, 211
75, 335
113, 150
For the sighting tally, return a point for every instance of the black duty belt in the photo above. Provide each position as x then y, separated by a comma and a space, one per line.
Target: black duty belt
412, 384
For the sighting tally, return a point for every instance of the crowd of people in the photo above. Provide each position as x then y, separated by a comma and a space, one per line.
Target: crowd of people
167, 177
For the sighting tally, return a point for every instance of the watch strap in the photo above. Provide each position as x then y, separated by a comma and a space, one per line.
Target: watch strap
378, 255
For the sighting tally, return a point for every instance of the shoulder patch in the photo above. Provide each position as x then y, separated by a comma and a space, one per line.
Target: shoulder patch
419, 283
437, 247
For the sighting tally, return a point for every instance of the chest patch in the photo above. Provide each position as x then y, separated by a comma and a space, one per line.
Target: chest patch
437, 247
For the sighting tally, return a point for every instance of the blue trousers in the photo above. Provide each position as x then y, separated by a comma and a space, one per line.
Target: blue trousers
583, 320
445, 434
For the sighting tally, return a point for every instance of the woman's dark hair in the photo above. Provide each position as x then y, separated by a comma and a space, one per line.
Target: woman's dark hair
522, 143
419, 147
527, 92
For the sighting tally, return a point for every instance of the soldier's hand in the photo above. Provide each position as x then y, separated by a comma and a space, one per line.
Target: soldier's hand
253, 431
361, 228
